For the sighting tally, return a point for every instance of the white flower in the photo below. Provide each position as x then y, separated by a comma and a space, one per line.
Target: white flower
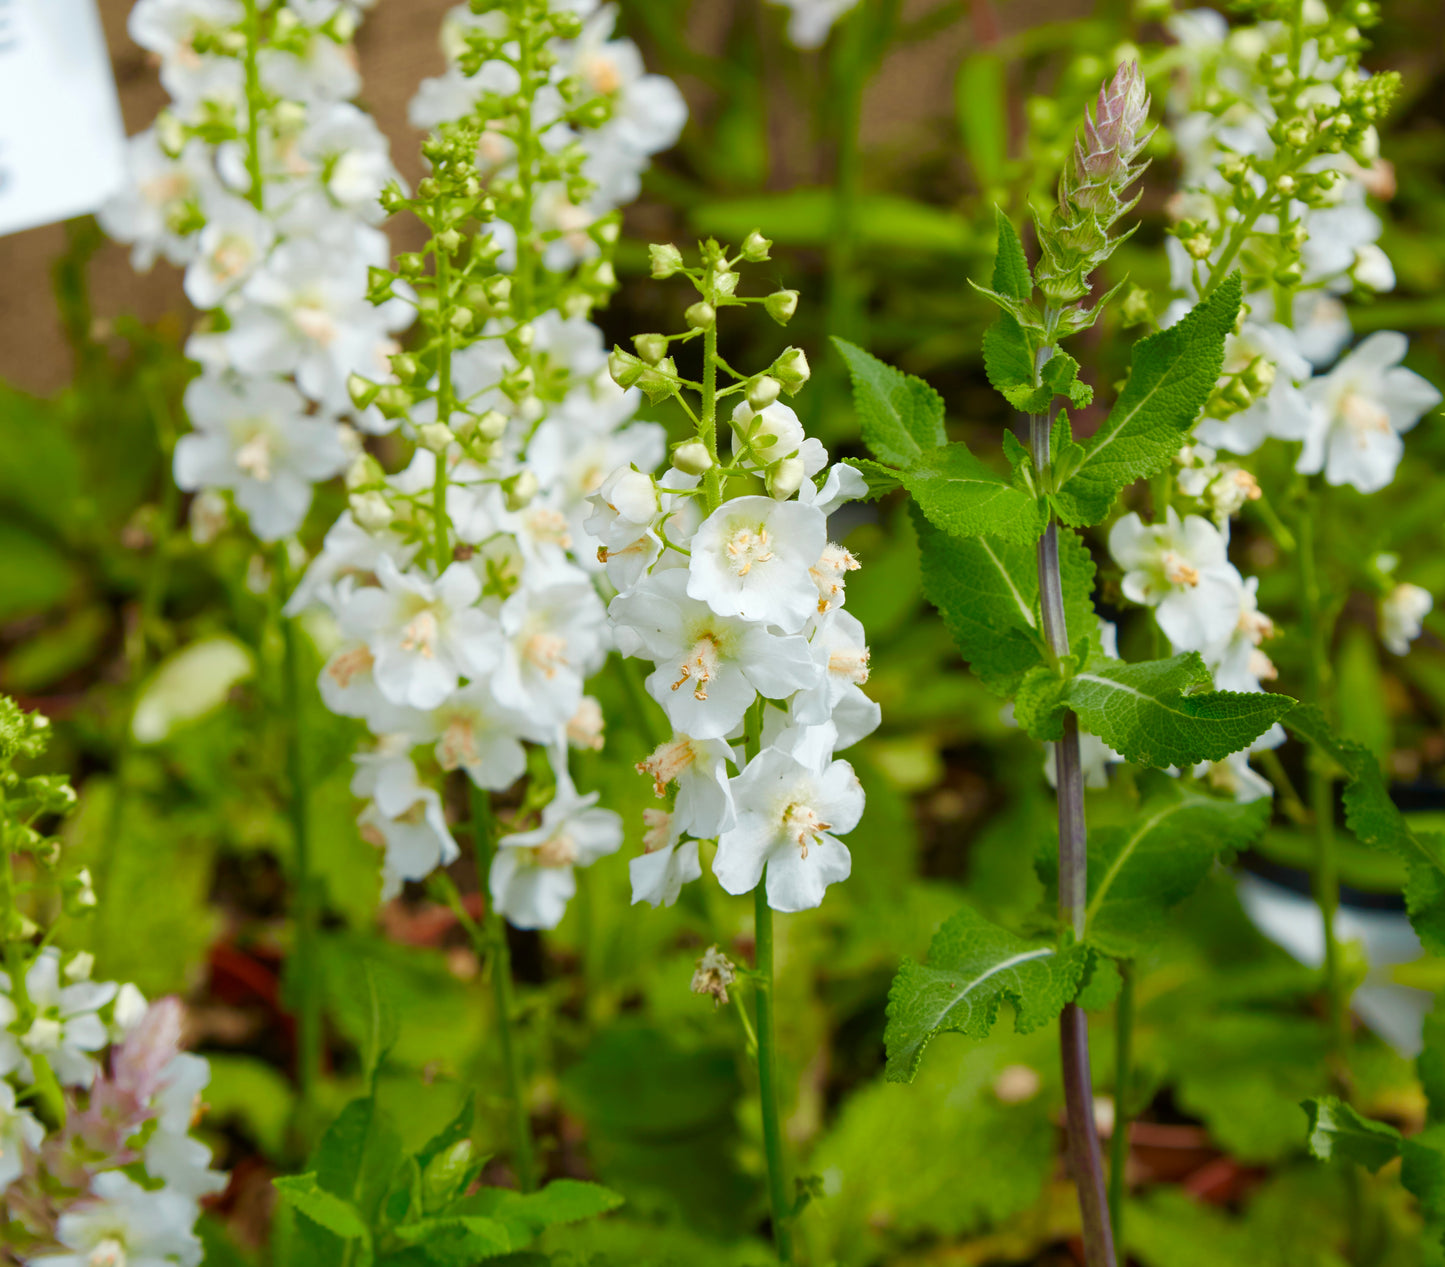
532, 876
788, 814
668, 863
772, 435
20, 1133
841, 648
809, 21
1402, 616
1183, 570
1095, 758
66, 1026
1235, 776
475, 733
404, 818
704, 805
1237, 662
1360, 409
159, 191
1282, 411
233, 243
349, 554
753, 557
709, 667
254, 437
123, 1225
345, 144
551, 642
171, 1155
423, 635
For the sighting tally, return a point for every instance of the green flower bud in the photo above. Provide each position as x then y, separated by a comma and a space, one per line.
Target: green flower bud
650, 347
781, 305
692, 458
492, 425
362, 391
625, 368
786, 477
756, 247
435, 436
666, 260
519, 490
763, 391
462, 319
791, 370
521, 338
446, 1175
405, 366
450, 241
371, 510
701, 315
363, 471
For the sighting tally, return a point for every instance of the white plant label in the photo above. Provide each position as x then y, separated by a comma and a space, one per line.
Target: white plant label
62, 143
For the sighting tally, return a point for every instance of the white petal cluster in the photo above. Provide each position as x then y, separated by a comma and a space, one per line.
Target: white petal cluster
273, 219
741, 617
121, 1179
463, 664
638, 115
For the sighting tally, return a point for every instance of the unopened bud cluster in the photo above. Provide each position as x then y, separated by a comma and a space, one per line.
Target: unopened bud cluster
1093, 192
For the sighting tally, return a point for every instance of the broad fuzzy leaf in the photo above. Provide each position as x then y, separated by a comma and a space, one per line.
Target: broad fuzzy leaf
973, 966
1011, 274
1375, 821
1338, 1133
900, 416
1008, 359
964, 497
987, 592
1137, 872
1153, 714
1172, 374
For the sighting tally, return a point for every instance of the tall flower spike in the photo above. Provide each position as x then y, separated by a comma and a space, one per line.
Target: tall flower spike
1092, 188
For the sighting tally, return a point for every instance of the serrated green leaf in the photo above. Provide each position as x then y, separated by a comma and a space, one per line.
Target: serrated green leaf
1376, 822
1008, 361
1431, 1062
458, 1240
987, 592
358, 1155
973, 967
1011, 274
900, 416
1153, 714
1172, 374
1338, 1133
1139, 870
561, 1201
964, 497
337, 1215
1039, 703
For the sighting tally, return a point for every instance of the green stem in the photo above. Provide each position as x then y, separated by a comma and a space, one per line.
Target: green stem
493, 940
707, 410
303, 980
526, 270
1123, 1061
442, 539
1321, 783
257, 194
767, 1075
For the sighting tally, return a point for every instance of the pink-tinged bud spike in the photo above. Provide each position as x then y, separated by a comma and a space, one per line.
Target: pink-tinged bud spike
1122, 109
141, 1060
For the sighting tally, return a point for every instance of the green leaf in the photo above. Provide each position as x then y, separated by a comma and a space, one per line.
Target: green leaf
1139, 870
900, 416
1172, 375
383, 1025
1376, 822
561, 1201
1431, 1062
1011, 274
1007, 358
458, 1240
881, 480
973, 966
326, 1209
987, 591
1059, 377
358, 1155
964, 497
1338, 1133
1153, 714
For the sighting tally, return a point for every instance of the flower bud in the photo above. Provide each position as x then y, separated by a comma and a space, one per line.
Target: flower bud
650, 347
405, 366
446, 1175
756, 247
521, 339
786, 477
700, 316
791, 370
625, 368
666, 260
450, 241
781, 305
763, 391
692, 458
393, 400
519, 489
362, 391
365, 470
371, 511
435, 436
492, 425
